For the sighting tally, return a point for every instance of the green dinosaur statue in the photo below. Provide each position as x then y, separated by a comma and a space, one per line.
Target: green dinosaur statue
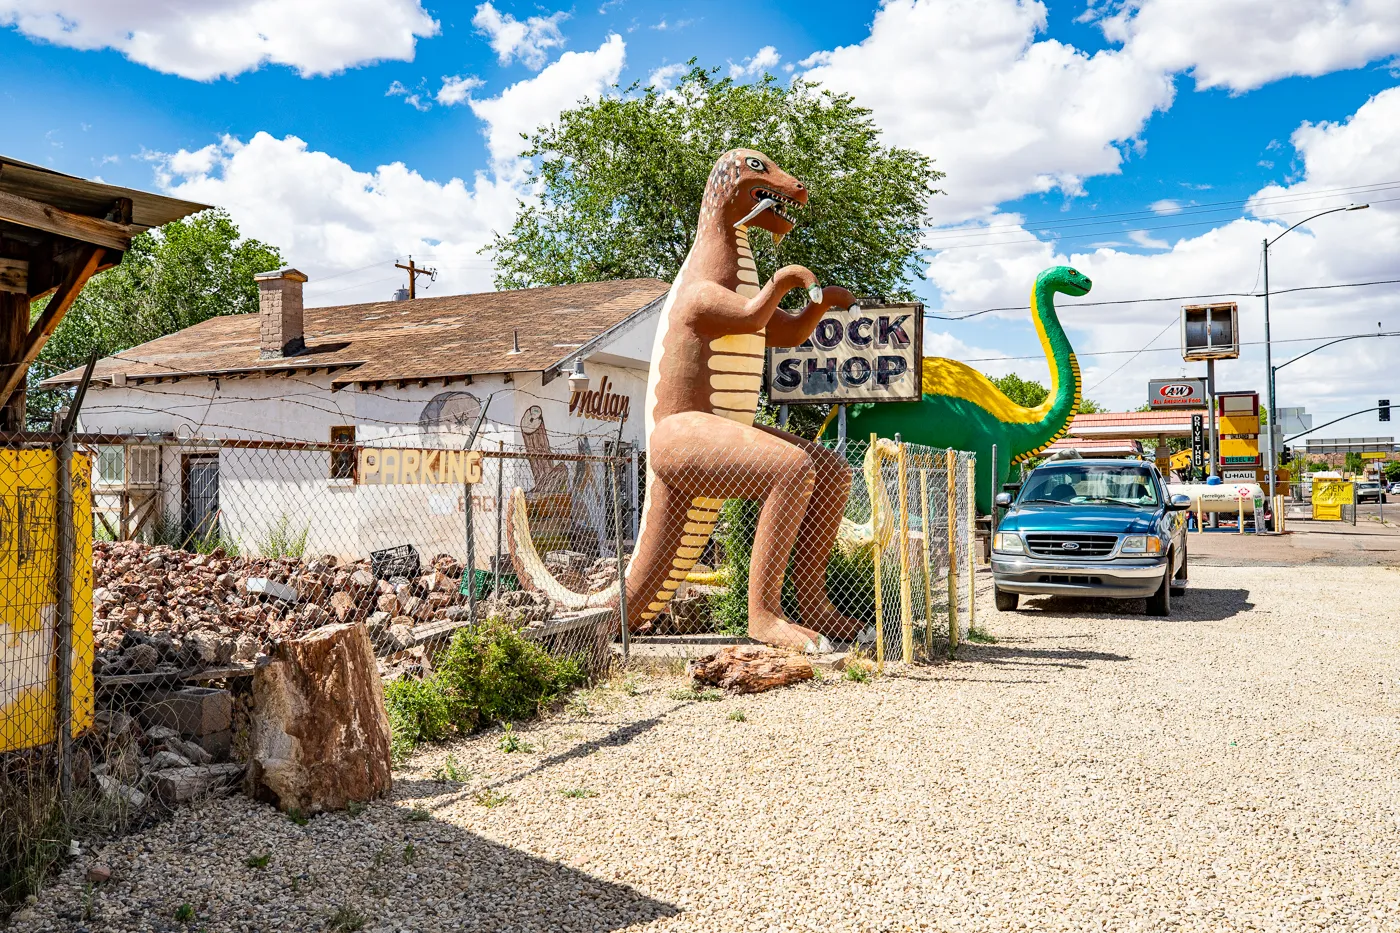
962, 409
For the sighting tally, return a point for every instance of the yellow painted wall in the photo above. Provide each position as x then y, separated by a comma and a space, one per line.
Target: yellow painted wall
28, 607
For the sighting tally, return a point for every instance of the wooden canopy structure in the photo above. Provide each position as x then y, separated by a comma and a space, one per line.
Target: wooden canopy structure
56, 232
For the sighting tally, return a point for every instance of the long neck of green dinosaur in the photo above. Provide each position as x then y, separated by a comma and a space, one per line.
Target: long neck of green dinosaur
1052, 416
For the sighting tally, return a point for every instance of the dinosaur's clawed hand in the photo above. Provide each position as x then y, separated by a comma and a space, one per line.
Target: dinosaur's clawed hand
834, 296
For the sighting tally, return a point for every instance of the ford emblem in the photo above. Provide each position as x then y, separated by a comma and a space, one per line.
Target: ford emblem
1070, 546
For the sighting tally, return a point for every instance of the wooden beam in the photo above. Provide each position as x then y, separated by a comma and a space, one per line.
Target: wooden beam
45, 217
14, 276
84, 267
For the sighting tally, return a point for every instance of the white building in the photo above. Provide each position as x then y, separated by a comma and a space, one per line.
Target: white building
226, 425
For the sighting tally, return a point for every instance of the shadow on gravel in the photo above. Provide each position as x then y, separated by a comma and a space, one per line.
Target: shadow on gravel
412, 788
1200, 604
1013, 655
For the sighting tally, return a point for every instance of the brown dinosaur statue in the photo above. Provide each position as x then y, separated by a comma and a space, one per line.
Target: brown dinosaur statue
702, 444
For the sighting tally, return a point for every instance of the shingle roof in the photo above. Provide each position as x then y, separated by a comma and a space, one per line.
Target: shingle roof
428, 338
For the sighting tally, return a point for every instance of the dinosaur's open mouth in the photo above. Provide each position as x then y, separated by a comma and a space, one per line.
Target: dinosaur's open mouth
781, 199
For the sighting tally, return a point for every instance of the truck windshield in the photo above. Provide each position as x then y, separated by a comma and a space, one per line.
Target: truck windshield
1089, 482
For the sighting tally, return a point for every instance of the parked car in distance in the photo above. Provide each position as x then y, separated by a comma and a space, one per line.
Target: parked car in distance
1104, 528
1394, 489
1370, 492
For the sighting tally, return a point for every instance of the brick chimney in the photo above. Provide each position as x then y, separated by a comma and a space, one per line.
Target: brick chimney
279, 313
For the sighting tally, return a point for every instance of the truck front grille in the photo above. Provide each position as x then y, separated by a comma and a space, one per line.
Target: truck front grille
1058, 544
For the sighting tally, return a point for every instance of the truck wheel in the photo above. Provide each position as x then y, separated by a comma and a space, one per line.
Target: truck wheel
1006, 602
1160, 602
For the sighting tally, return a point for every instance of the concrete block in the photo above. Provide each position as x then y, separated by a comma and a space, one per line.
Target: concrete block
191, 711
175, 786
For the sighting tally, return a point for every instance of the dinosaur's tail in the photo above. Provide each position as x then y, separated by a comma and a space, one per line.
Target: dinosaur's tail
533, 573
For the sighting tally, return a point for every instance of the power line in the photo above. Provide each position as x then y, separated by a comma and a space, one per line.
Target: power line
964, 315
1150, 349
1133, 357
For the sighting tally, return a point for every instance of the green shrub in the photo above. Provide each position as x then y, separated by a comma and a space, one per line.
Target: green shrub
490, 674
499, 675
418, 712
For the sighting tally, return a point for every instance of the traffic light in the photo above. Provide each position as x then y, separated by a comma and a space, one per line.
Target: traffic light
1287, 454
1384, 406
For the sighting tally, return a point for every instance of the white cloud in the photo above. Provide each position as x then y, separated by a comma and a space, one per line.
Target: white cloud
223, 38
765, 59
1344, 247
966, 82
529, 41
526, 105
1165, 206
665, 76
330, 219
1007, 113
1245, 44
457, 89
413, 98
1147, 241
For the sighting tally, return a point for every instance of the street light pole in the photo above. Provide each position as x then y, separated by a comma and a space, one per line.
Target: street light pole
1271, 466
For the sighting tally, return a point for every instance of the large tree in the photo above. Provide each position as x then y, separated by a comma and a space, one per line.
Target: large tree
1030, 393
172, 278
620, 181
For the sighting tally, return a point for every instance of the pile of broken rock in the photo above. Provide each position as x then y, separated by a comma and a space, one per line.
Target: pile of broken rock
157, 608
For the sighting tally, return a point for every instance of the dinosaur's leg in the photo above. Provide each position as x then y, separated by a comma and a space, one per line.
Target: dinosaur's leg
705, 458
817, 535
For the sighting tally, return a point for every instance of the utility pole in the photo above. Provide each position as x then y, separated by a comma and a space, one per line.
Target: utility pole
1271, 466
414, 271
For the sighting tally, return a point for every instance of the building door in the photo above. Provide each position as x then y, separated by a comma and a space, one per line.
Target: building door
200, 506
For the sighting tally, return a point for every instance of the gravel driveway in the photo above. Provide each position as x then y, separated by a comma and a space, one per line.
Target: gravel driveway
1233, 767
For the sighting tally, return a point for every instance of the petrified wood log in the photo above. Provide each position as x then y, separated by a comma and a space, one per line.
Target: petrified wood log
751, 668
320, 731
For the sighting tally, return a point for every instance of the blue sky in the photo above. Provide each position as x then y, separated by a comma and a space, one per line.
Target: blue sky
356, 132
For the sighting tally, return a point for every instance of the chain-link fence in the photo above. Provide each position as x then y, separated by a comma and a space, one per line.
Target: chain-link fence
186, 561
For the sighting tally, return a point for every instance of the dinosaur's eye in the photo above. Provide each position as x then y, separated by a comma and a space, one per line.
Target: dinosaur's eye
1074, 272
757, 164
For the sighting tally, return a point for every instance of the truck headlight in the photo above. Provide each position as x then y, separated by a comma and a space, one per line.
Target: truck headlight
1008, 542
1141, 544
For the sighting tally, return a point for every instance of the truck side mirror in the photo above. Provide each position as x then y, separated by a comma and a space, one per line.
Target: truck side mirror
1179, 503
1003, 500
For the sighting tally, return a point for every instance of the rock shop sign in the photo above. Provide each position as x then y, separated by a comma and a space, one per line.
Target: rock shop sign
383, 466
870, 353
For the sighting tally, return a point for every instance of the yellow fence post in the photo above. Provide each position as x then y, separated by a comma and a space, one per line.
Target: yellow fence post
906, 595
877, 552
928, 559
971, 550
951, 478
1239, 528
1200, 517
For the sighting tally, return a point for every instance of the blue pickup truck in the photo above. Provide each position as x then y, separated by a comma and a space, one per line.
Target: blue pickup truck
1091, 528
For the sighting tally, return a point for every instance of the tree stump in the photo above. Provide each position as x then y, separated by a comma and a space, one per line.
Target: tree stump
320, 733
750, 668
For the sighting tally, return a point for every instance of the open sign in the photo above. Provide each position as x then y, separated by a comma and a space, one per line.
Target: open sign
869, 353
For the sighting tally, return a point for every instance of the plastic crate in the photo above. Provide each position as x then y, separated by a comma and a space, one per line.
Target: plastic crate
401, 561
481, 582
